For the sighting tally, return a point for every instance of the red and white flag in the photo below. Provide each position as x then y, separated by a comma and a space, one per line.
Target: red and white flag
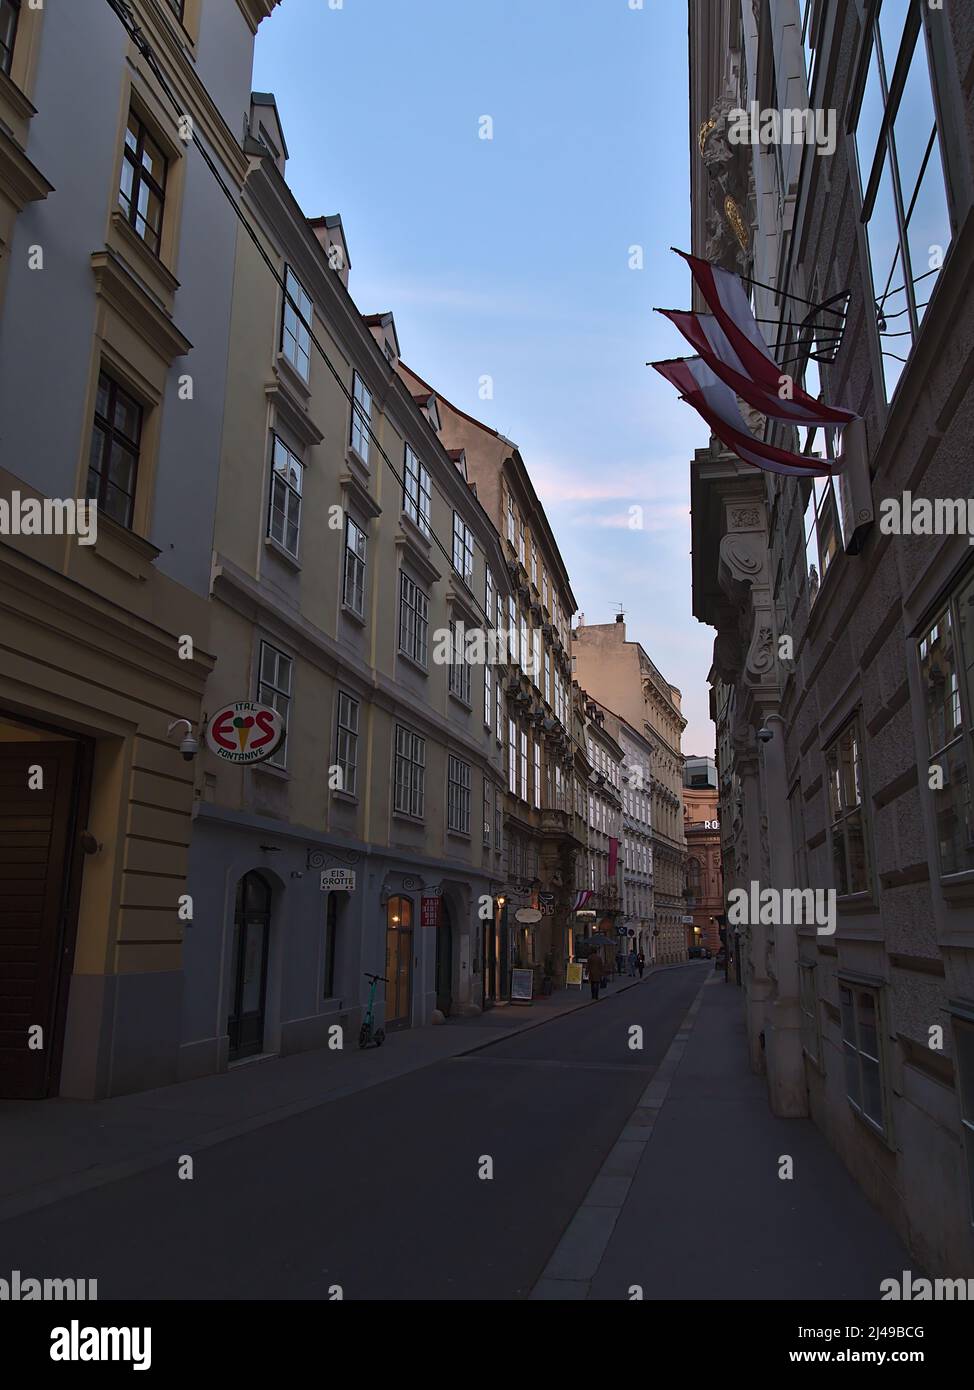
740, 346
704, 333
581, 899
717, 404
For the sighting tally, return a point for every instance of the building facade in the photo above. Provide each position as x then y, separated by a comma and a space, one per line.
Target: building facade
637, 835
621, 676
350, 555
544, 826
843, 655
116, 279
603, 795
705, 892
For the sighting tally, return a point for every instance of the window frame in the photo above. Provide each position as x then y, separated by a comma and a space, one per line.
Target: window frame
458, 784
416, 603
417, 492
360, 420
355, 561
298, 333
852, 728
277, 697
112, 435
852, 1047
13, 8
409, 757
459, 674
964, 1026
129, 207
290, 492
462, 548
949, 609
346, 748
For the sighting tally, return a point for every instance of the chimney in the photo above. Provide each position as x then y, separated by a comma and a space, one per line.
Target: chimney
581, 620
620, 617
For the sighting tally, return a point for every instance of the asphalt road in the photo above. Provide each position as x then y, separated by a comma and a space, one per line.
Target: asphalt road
380, 1192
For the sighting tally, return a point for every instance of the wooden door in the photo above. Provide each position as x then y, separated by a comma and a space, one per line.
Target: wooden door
38, 829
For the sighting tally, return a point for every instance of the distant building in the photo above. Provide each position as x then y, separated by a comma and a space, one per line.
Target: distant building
701, 820
621, 676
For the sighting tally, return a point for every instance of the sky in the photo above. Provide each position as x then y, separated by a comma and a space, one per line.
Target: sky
513, 257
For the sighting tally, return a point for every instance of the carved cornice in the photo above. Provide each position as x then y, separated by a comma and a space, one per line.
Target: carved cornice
115, 284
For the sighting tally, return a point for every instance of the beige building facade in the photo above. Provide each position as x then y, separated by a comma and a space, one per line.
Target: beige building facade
621, 676
116, 251
545, 829
350, 556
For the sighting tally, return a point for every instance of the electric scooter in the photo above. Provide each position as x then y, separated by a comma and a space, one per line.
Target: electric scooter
369, 1035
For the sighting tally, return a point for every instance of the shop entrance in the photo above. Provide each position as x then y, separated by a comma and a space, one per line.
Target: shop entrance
43, 802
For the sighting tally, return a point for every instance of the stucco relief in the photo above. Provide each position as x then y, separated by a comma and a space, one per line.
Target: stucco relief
760, 654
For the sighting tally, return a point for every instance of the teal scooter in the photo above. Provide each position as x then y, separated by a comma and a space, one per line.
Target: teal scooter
369, 1035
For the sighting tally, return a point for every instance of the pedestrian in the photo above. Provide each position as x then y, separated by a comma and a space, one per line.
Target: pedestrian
640, 964
595, 973
632, 962
620, 962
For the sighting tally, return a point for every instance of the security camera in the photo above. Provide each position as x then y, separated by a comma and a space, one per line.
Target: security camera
765, 734
189, 748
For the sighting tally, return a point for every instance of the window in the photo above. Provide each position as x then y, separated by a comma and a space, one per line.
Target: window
544, 587
410, 773
458, 796
511, 519
178, 6
9, 15
847, 804
462, 548
860, 1048
459, 678
489, 595
821, 534
498, 822
964, 1039
512, 629
346, 742
284, 516
534, 564
488, 694
537, 775
353, 591
295, 335
808, 1001
361, 417
546, 691
499, 712
416, 492
142, 194
488, 811
808, 15
113, 460
902, 174
524, 766
521, 542
512, 757
946, 653
274, 689
414, 607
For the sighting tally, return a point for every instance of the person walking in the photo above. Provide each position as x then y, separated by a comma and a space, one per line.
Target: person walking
632, 962
640, 964
595, 973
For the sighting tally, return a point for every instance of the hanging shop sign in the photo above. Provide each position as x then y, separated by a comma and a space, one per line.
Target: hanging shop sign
338, 880
244, 732
527, 916
429, 914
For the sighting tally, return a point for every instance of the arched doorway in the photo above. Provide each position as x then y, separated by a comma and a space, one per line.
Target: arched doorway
444, 960
399, 961
248, 970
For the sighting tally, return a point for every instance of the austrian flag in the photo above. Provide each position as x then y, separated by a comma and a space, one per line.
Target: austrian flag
733, 362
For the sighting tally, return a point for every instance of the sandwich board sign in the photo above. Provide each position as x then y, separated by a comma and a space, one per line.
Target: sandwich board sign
573, 975
522, 986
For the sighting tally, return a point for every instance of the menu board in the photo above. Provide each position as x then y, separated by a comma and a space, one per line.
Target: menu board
522, 985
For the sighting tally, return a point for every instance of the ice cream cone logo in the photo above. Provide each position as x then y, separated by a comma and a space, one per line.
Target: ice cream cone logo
243, 728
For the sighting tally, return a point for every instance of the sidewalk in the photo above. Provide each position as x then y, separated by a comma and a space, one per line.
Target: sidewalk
51, 1149
689, 1204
